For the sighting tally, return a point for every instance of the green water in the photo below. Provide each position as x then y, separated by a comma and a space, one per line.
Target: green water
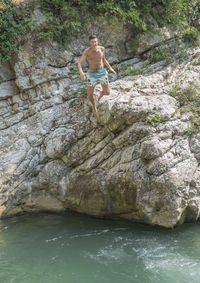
73, 248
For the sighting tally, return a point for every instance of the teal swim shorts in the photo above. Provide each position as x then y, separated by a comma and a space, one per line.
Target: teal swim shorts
95, 77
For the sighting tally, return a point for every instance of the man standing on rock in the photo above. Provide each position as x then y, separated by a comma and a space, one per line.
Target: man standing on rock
95, 56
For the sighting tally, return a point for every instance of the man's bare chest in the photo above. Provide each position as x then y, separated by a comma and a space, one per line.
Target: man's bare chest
96, 55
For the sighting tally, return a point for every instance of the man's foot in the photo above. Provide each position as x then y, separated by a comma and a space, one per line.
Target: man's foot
94, 110
100, 96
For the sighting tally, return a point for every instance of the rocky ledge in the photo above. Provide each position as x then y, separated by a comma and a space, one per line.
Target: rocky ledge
133, 160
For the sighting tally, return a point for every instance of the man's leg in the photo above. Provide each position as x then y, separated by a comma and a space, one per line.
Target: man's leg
90, 92
105, 91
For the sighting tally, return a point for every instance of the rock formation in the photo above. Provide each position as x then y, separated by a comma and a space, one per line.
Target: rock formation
57, 155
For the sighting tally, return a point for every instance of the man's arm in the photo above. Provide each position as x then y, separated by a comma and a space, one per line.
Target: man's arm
82, 74
106, 62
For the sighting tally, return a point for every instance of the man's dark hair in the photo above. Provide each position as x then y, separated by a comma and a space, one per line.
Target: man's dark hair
92, 37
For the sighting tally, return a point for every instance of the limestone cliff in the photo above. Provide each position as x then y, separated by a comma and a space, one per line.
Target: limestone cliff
133, 160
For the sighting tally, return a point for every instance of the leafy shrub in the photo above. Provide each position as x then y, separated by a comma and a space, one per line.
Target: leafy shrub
189, 98
14, 23
74, 70
158, 54
192, 35
67, 18
124, 11
127, 70
187, 94
176, 12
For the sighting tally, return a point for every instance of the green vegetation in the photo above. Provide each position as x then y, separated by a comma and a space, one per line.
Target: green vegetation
159, 54
176, 12
130, 100
185, 95
74, 70
1, 80
27, 166
126, 70
152, 119
182, 55
72, 102
66, 18
188, 66
14, 23
69, 18
192, 36
189, 99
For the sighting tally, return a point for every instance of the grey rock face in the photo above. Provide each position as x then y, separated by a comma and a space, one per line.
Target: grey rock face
109, 35
149, 39
7, 90
56, 155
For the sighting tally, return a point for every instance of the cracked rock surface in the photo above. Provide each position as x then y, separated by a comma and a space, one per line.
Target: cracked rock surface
56, 155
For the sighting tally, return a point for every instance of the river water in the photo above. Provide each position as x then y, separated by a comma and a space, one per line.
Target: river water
73, 248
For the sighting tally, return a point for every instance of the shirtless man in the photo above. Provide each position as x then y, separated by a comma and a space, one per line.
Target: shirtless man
95, 55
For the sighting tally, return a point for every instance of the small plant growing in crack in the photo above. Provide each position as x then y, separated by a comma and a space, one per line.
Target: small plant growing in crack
189, 99
1, 80
74, 70
152, 119
27, 166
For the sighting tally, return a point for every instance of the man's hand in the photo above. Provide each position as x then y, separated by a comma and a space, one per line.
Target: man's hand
112, 70
83, 76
